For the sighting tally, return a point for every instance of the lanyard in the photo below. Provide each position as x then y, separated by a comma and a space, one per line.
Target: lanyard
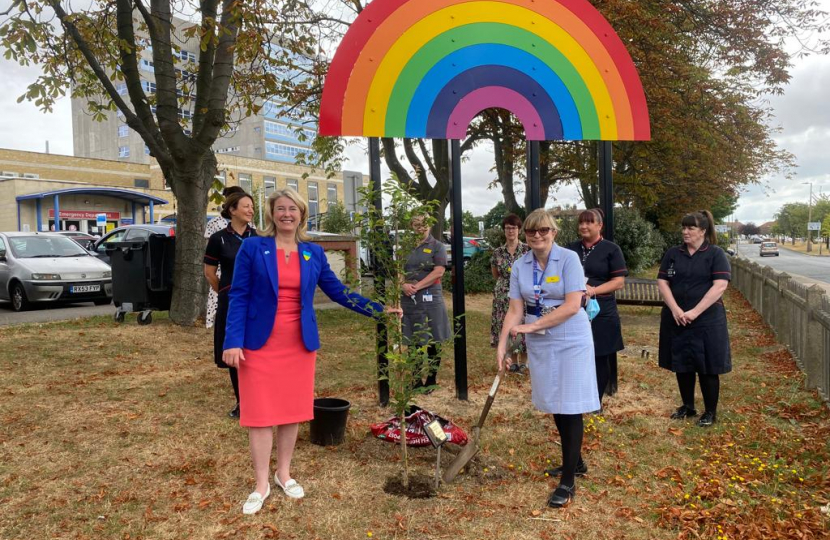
537, 282
240, 237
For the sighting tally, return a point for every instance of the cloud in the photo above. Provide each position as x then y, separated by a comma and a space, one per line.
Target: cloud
27, 127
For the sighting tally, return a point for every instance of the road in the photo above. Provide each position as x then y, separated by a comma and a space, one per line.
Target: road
805, 268
48, 313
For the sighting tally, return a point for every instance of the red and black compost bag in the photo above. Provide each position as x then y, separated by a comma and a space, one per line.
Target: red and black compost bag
415, 436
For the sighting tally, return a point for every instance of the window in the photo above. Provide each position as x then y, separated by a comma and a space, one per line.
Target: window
136, 235
222, 177
141, 183
270, 183
227, 150
186, 56
293, 184
313, 206
149, 87
31, 176
146, 150
147, 65
187, 114
123, 151
282, 151
246, 182
123, 131
257, 129
121, 88
331, 194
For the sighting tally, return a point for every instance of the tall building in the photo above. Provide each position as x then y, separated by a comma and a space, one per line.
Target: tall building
268, 135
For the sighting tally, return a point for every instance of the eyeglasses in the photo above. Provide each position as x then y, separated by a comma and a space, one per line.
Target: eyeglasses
541, 231
511, 228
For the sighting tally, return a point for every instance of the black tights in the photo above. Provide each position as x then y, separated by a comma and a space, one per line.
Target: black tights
603, 374
434, 354
570, 431
234, 382
709, 387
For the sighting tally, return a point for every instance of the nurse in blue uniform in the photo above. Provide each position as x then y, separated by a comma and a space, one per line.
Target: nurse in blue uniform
547, 287
694, 339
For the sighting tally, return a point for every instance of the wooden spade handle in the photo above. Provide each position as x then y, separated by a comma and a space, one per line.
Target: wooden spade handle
490, 397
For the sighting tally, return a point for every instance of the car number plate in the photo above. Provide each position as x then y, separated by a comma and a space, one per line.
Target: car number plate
84, 288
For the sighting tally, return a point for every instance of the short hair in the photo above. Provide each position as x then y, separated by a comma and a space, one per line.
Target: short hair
592, 215
541, 218
232, 189
271, 227
511, 219
232, 202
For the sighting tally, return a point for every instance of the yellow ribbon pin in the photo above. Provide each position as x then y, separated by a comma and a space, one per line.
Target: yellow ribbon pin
306, 255
552, 279
427, 250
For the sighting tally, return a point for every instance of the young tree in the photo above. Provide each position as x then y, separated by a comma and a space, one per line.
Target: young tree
750, 229
89, 51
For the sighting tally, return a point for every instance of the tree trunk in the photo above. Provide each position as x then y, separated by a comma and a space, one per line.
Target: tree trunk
192, 188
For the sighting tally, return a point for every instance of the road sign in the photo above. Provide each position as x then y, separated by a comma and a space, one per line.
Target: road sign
722, 228
814, 226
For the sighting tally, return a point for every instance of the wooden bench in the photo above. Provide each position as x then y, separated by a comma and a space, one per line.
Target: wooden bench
639, 292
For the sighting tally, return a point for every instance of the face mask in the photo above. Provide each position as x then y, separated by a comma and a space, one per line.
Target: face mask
592, 308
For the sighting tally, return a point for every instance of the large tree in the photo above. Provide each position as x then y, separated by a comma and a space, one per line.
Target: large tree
89, 51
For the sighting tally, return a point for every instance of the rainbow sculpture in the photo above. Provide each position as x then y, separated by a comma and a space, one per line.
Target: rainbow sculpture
426, 68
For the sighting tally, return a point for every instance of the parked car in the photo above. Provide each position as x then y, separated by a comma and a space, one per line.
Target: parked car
47, 267
128, 233
769, 248
85, 240
472, 245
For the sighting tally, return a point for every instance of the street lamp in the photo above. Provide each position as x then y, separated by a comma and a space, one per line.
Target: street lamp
809, 218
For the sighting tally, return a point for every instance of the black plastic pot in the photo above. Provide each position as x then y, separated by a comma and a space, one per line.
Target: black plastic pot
329, 425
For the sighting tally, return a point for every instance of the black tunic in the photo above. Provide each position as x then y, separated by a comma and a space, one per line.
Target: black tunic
221, 251
603, 262
703, 345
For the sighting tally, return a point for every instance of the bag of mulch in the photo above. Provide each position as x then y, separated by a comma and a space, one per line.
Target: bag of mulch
416, 419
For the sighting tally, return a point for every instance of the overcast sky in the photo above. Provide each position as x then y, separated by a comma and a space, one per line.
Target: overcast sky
801, 113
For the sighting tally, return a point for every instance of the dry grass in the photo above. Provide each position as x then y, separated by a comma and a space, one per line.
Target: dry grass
819, 249
115, 431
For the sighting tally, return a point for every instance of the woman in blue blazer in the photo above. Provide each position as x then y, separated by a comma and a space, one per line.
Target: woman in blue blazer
272, 335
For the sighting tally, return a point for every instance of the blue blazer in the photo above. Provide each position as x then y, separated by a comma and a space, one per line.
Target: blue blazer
253, 295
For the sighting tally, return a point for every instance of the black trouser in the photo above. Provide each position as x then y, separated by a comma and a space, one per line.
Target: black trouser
570, 428
234, 382
603, 373
709, 387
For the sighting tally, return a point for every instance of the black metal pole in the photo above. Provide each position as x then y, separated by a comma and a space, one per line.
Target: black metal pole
380, 280
606, 196
606, 187
458, 308
533, 175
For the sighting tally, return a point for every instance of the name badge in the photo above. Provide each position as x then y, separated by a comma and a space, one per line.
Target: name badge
427, 298
427, 250
552, 279
537, 288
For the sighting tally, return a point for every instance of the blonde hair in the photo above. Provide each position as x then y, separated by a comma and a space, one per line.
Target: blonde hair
541, 218
271, 228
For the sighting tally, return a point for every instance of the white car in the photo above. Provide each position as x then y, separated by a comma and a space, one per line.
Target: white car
46, 267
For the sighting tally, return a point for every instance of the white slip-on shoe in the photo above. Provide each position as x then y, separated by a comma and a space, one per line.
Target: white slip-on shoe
255, 502
291, 488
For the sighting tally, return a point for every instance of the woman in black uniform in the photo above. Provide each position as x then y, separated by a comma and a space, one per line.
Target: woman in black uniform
425, 320
221, 253
605, 269
694, 338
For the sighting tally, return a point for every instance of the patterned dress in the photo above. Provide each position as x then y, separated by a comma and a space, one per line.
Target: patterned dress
503, 261
214, 226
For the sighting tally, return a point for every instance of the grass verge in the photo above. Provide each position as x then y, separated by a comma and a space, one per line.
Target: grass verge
120, 431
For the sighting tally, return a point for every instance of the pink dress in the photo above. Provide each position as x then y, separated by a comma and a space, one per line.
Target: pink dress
276, 382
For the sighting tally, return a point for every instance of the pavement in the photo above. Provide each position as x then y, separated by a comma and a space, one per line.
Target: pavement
803, 268
49, 313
